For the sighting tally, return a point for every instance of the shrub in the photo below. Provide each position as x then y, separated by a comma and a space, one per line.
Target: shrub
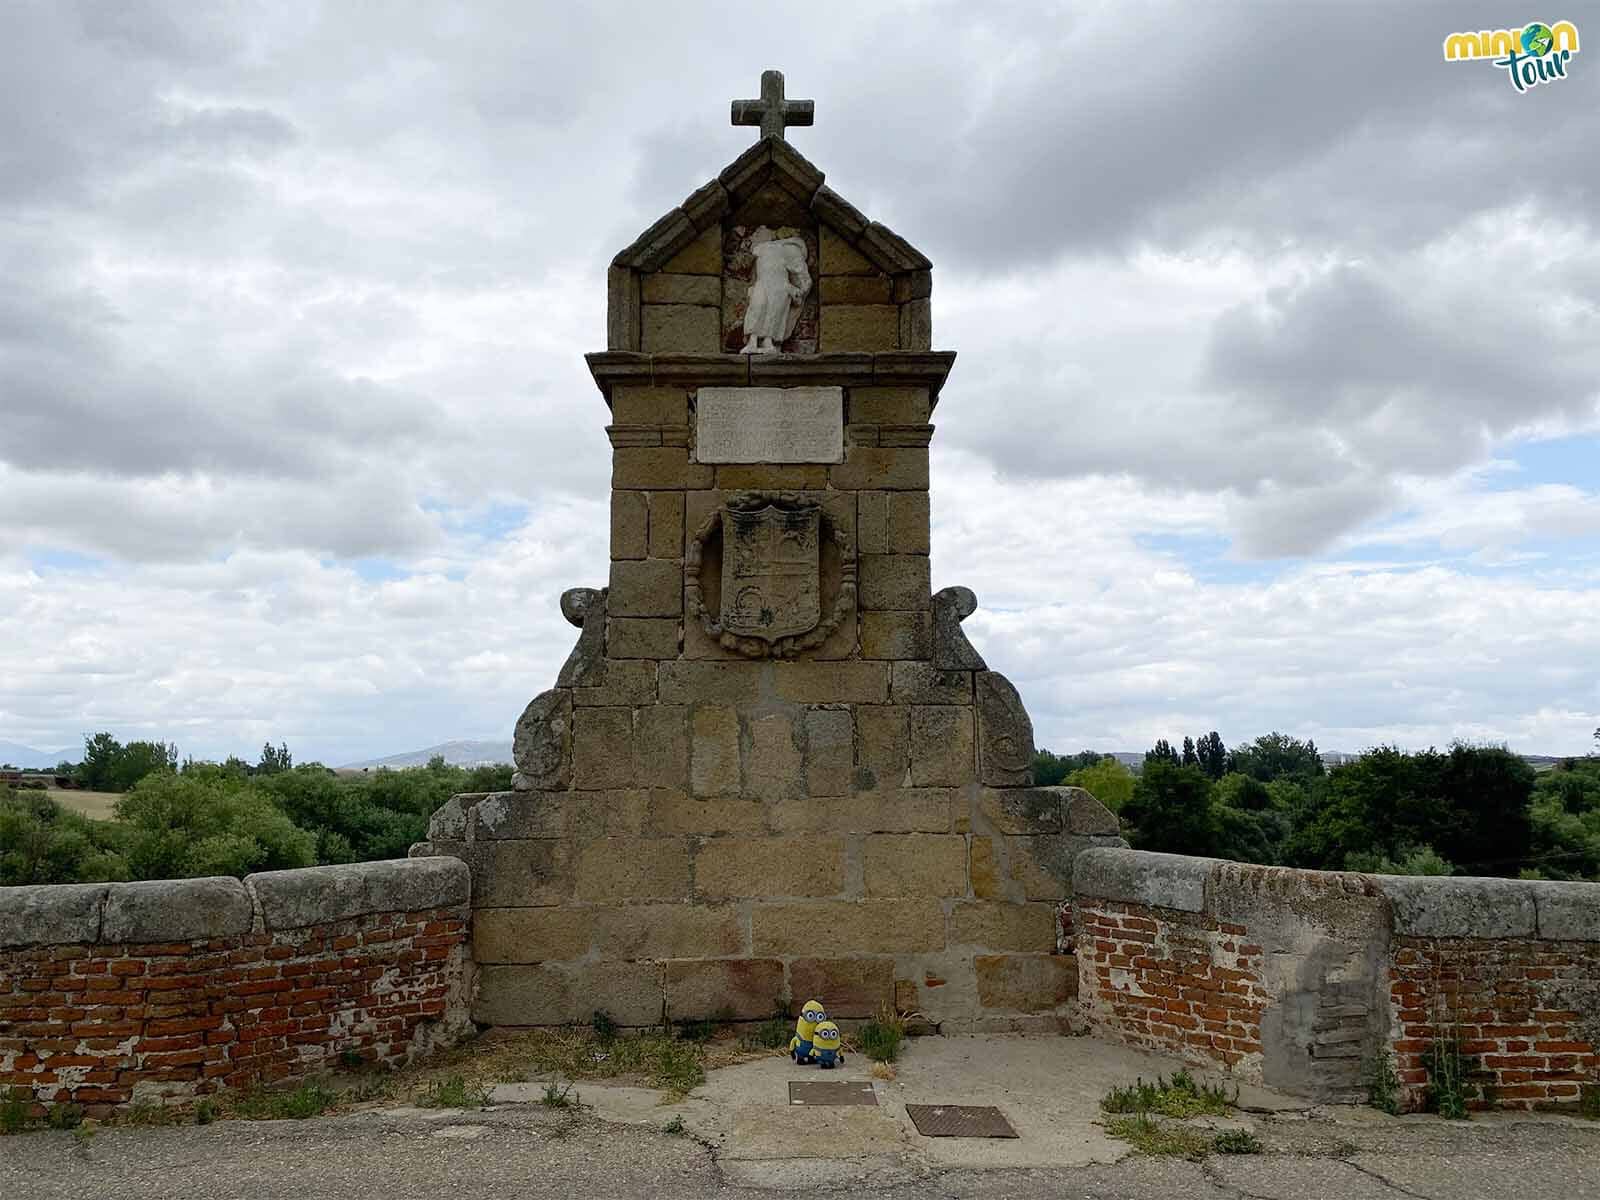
880, 1037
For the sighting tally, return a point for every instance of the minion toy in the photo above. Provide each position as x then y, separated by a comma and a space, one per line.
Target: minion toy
800, 1044
826, 1039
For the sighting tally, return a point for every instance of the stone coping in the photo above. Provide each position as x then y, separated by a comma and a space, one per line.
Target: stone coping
905, 368
1419, 906
177, 910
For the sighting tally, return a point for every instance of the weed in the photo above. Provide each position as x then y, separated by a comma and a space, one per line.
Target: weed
1181, 1096
1589, 1101
677, 1068
1158, 1138
556, 1096
308, 1100
674, 1127
145, 1114
699, 1032
1236, 1141
773, 1033
16, 1110
605, 1029
454, 1092
1383, 1084
350, 1058
64, 1116
883, 1070
206, 1111
1449, 1090
880, 1037
83, 1135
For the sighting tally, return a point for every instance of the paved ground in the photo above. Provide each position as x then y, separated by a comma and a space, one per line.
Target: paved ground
742, 1139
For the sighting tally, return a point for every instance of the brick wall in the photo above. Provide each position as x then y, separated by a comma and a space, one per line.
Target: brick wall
1303, 979
117, 993
1172, 981
1521, 1009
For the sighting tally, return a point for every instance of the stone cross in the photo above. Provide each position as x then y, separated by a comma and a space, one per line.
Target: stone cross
772, 112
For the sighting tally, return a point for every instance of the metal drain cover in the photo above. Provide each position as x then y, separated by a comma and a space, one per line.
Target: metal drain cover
832, 1092
959, 1120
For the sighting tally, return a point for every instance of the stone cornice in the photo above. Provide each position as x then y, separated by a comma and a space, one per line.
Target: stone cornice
903, 368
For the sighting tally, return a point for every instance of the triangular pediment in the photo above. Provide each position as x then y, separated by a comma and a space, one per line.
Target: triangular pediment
661, 288
770, 162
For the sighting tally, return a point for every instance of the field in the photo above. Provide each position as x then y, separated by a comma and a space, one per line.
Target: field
91, 804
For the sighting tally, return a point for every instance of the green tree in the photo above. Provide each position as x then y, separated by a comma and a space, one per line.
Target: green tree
1050, 769
1414, 860
274, 760
1212, 755
1162, 751
1278, 756
1110, 782
181, 826
1171, 810
1190, 757
41, 842
101, 754
139, 759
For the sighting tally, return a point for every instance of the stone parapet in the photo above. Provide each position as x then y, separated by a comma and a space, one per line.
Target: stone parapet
168, 990
1302, 980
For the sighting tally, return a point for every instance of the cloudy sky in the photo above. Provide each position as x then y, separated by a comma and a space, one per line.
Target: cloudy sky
1278, 404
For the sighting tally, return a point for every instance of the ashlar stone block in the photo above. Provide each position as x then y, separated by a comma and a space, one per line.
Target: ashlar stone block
649, 406
664, 288
893, 810
602, 748
772, 757
896, 635
703, 256
666, 525
922, 683
661, 746
769, 866
855, 988
830, 751
611, 869
839, 257
941, 744
910, 926
630, 524
894, 468
873, 523
848, 327
997, 926
652, 587
714, 751
883, 745
831, 682
682, 329
659, 468
909, 522
891, 581
702, 989
888, 405
642, 637
915, 864
1026, 982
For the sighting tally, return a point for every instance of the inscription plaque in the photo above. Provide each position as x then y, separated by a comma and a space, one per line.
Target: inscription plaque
769, 425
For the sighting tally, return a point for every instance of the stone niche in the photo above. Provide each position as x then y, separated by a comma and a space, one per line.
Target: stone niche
773, 767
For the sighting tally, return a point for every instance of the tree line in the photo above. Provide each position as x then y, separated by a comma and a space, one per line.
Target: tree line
202, 818
1467, 810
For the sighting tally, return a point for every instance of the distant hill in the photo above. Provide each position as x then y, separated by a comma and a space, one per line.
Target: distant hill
457, 754
19, 755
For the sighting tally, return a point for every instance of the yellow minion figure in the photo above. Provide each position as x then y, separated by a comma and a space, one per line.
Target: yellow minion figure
811, 1015
826, 1040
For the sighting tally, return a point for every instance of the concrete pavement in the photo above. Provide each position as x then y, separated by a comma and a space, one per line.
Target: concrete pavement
742, 1139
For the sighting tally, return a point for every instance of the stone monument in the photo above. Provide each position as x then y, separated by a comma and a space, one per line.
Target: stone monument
773, 766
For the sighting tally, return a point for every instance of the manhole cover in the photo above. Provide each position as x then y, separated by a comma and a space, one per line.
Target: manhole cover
959, 1120
832, 1092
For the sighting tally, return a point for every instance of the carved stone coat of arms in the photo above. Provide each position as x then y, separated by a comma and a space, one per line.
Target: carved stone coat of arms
771, 571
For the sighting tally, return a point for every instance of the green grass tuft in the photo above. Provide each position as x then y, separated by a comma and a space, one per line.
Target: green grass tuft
1589, 1101
1158, 1138
64, 1116
308, 1100
556, 1096
454, 1092
1181, 1096
880, 1037
16, 1110
1383, 1084
1236, 1141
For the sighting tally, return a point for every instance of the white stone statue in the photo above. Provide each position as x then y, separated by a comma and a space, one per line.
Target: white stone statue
780, 287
